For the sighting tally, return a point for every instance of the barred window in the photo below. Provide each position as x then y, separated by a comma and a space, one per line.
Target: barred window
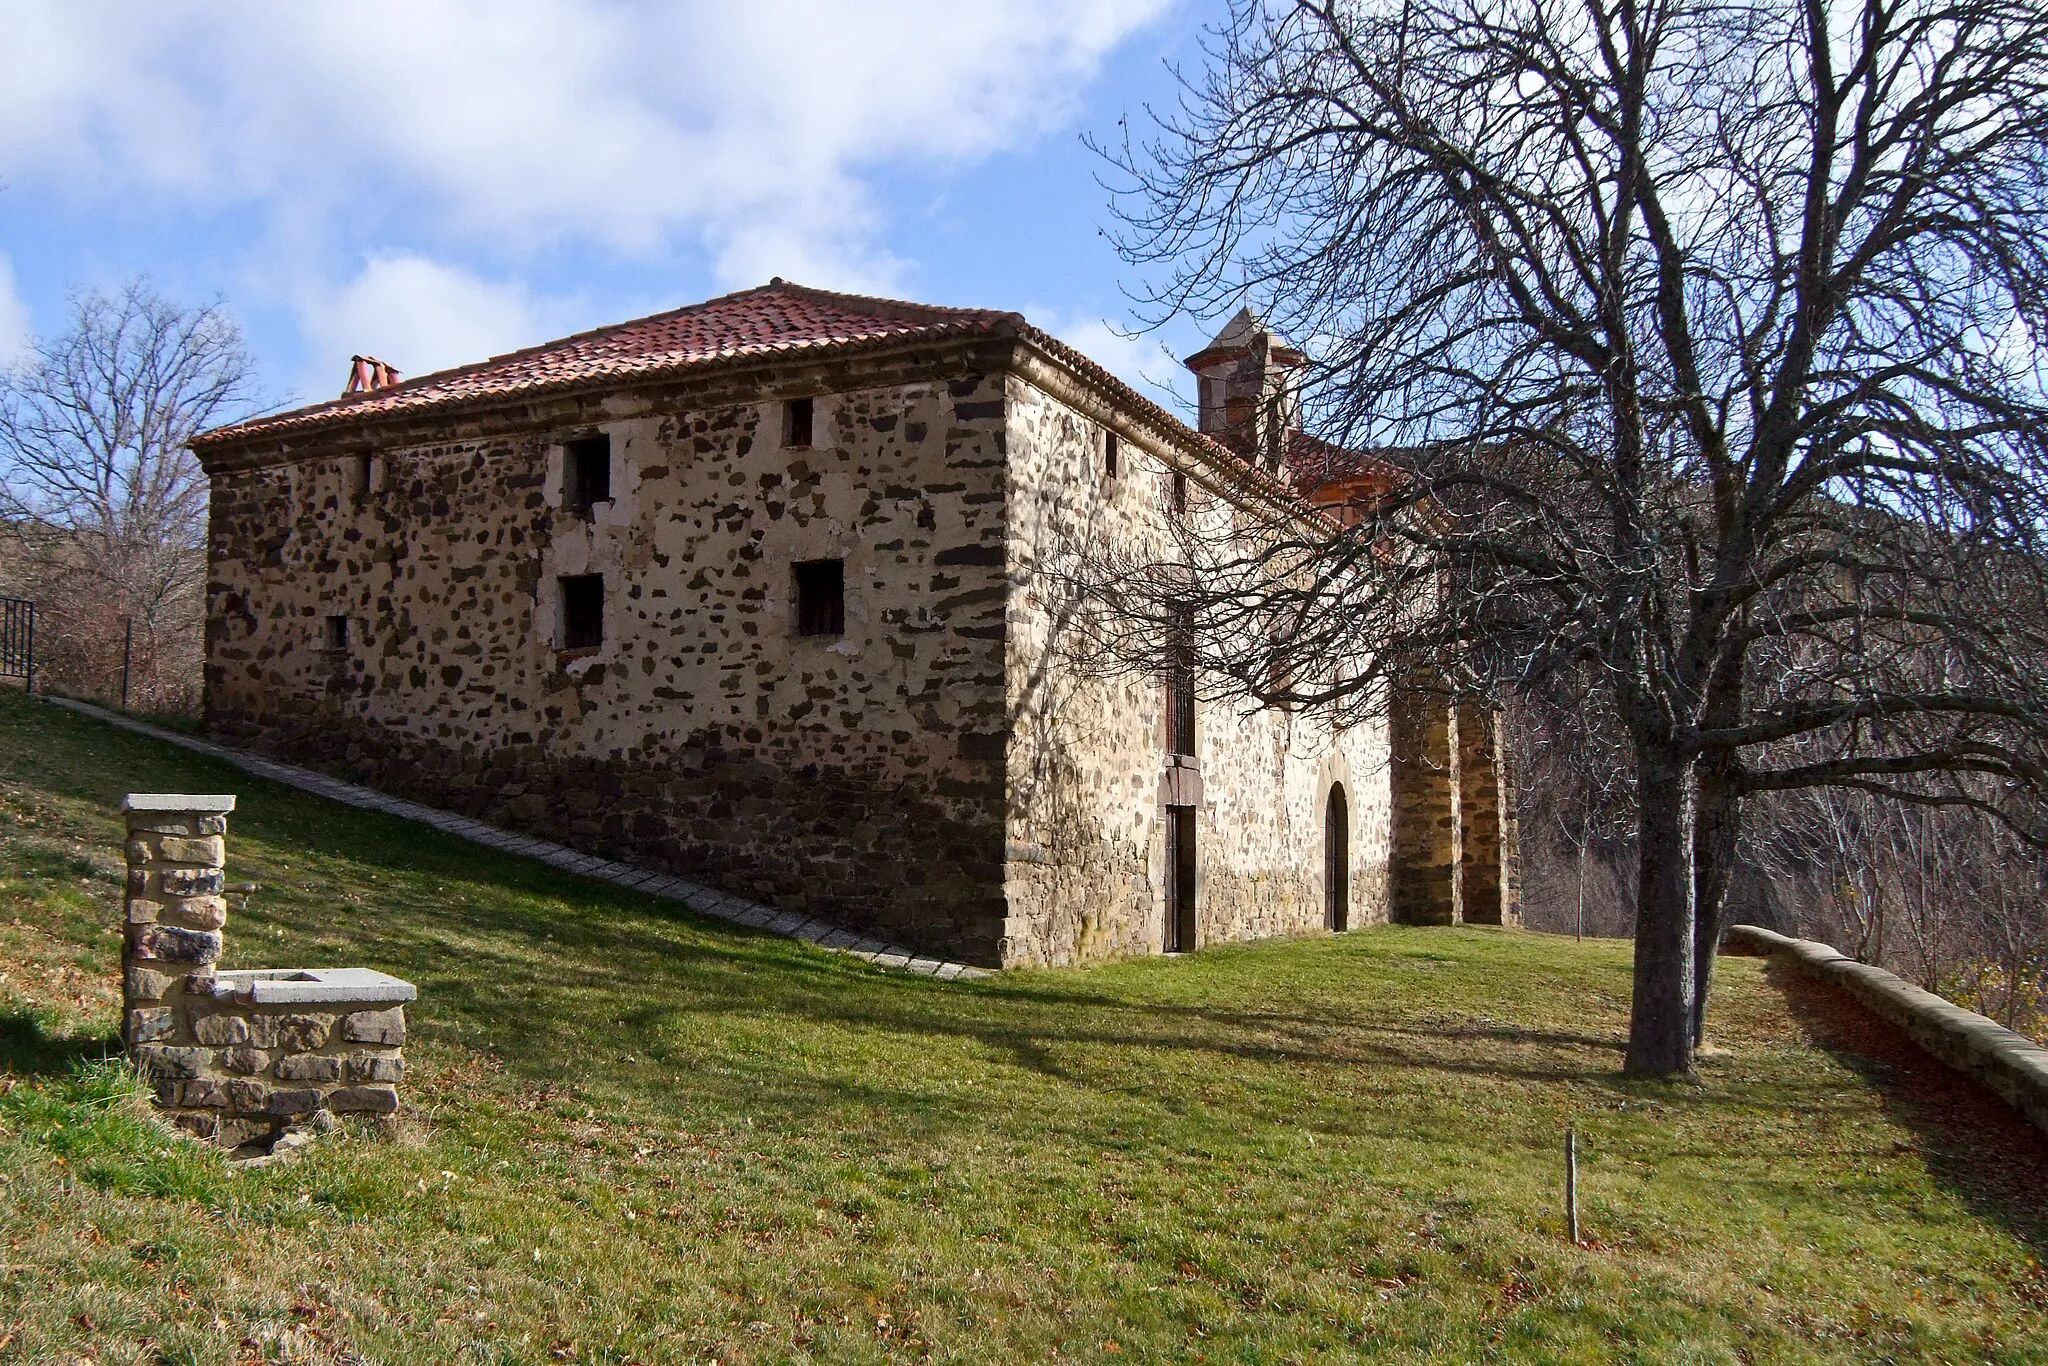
1180, 686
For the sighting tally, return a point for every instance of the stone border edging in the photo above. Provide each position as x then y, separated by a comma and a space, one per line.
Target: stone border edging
705, 901
2011, 1064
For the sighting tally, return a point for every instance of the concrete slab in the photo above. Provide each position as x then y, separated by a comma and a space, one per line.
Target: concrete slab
211, 804
317, 986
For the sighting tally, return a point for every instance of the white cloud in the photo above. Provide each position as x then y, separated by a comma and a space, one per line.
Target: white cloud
524, 122
418, 315
15, 331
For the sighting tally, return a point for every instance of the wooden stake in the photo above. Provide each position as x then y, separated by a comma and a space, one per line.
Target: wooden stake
1571, 1184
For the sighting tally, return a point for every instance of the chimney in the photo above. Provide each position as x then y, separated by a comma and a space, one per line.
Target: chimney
1250, 389
367, 374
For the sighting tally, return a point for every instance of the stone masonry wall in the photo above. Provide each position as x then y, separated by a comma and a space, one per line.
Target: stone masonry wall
1089, 778
1486, 887
935, 774
224, 1067
1425, 812
1456, 841
858, 777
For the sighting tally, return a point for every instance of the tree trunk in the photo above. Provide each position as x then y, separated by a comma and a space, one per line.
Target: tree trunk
1717, 819
1579, 917
1661, 1020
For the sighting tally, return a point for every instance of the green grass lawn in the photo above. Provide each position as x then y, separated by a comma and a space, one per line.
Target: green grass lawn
637, 1136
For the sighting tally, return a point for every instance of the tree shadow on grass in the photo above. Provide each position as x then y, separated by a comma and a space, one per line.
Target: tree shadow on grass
26, 1050
601, 956
548, 991
1974, 1143
614, 963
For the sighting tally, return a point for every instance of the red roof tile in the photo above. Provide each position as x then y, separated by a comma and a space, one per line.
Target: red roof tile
1315, 463
777, 317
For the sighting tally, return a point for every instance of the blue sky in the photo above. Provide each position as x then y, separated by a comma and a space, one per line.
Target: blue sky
440, 180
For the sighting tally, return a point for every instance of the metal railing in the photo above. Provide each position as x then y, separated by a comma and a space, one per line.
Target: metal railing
18, 640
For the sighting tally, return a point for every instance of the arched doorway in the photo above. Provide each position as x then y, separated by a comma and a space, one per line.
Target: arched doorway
1337, 860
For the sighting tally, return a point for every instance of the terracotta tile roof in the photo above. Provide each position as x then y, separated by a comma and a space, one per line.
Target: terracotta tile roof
777, 317
1314, 463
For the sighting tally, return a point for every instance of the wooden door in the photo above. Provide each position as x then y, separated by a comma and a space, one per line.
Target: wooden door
1337, 860
1180, 879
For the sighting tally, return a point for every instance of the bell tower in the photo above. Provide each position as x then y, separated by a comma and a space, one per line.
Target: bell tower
1250, 389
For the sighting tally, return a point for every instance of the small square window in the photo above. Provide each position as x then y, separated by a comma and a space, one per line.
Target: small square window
337, 633
582, 611
821, 598
798, 416
587, 473
1110, 453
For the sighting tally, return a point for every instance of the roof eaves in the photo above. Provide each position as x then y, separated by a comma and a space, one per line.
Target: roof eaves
933, 323
334, 411
1226, 461
393, 408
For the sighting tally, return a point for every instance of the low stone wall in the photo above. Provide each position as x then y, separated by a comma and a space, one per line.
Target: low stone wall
238, 1057
2010, 1064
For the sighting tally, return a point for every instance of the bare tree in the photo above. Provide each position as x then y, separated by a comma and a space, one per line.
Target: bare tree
2014, 944
1943, 894
1707, 327
1575, 798
106, 503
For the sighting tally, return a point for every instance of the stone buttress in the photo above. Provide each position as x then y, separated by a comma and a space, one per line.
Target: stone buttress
1457, 846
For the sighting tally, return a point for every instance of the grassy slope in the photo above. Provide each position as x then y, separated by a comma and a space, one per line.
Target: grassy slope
639, 1137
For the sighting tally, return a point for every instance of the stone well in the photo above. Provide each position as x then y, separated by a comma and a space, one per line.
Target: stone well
237, 1057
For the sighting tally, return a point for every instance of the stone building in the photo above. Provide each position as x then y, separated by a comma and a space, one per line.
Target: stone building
756, 590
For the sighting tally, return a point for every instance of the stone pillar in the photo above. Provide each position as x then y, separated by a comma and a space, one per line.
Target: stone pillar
240, 1057
1424, 858
1510, 826
174, 911
174, 908
1488, 885
1478, 790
